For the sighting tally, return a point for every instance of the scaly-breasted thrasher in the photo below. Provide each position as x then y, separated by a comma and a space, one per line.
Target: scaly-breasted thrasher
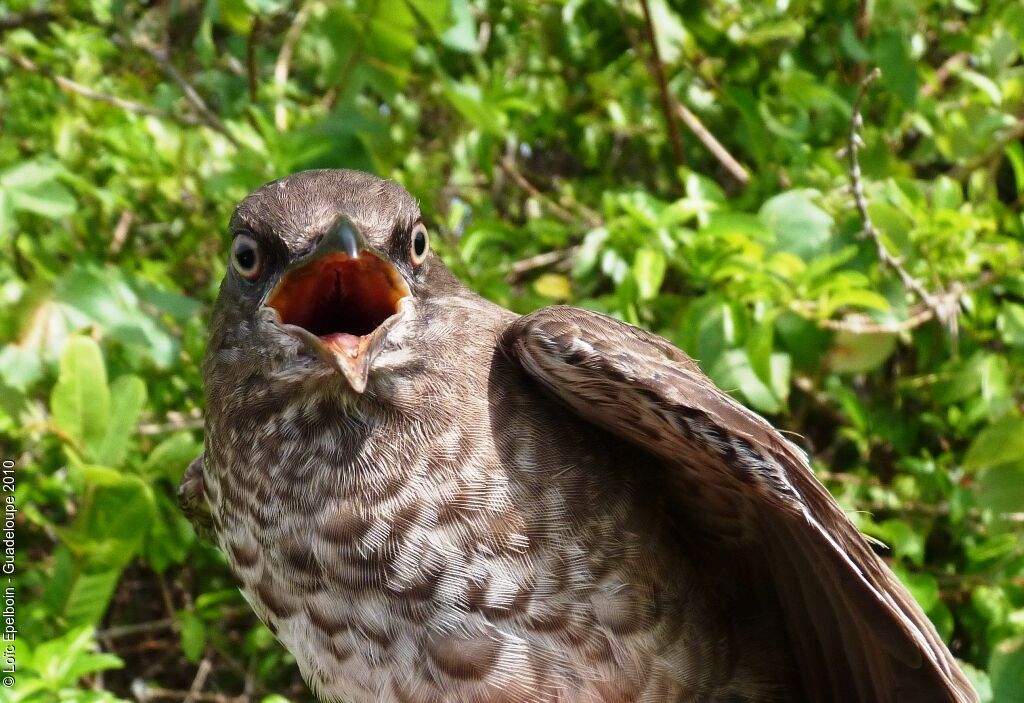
428, 498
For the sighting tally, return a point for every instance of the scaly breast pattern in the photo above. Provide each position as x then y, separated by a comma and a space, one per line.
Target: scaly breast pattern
498, 550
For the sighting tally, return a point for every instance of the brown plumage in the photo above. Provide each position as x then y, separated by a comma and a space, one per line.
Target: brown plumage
428, 498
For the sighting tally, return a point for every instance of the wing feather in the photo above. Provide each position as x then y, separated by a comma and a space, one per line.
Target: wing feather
857, 634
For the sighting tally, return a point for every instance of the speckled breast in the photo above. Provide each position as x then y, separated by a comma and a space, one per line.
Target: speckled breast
401, 559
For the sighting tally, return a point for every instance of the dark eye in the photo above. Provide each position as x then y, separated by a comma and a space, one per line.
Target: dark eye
247, 257
419, 244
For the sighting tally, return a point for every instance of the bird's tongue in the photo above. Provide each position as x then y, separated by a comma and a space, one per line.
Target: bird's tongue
344, 343
340, 299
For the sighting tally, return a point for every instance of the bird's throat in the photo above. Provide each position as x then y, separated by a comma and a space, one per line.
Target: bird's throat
338, 303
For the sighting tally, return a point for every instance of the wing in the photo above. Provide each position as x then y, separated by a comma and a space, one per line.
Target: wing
856, 633
192, 499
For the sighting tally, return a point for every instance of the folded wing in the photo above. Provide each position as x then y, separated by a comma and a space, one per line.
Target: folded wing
856, 633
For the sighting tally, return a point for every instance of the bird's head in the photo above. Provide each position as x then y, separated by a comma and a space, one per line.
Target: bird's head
325, 269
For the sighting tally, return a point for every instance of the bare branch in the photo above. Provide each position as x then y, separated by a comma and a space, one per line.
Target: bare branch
713, 145
589, 216
251, 69
549, 258
139, 628
16, 20
944, 71
206, 115
71, 86
202, 673
173, 422
945, 307
121, 231
730, 163
995, 150
283, 64
862, 324
147, 693
658, 69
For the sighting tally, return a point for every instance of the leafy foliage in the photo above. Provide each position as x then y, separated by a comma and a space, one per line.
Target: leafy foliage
554, 166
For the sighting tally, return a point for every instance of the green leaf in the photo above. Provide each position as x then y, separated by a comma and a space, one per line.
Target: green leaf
999, 444
1006, 670
90, 595
61, 662
1000, 490
193, 635
800, 226
1011, 323
905, 542
858, 353
6, 212
29, 174
990, 549
899, 74
947, 193
114, 520
80, 402
462, 34
170, 535
760, 343
853, 297
733, 372
127, 397
171, 457
108, 300
19, 368
923, 587
781, 367
554, 286
649, 271
50, 200
979, 679
33, 186
589, 253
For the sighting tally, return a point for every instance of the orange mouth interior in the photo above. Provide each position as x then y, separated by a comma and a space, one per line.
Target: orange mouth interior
339, 299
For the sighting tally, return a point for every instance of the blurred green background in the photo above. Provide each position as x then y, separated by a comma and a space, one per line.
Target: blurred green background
682, 165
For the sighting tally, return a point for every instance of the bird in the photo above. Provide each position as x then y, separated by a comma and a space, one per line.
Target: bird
428, 498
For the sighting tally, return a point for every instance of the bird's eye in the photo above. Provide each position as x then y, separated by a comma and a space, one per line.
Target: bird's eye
247, 257
419, 244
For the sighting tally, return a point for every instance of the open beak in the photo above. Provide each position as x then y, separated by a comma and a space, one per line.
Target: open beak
337, 299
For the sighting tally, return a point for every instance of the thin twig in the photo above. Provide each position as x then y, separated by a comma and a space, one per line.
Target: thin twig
728, 161
22, 19
251, 70
139, 628
549, 258
202, 673
995, 150
283, 64
849, 479
208, 117
943, 72
591, 218
658, 69
862, 324
173, 422
147, 693
355, 55
71, 86
944, 307
121, 231
858, 323
713, 145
